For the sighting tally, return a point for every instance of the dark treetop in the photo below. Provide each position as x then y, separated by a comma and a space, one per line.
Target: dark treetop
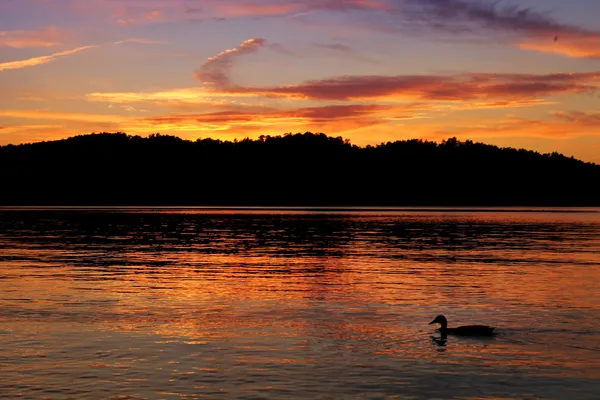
302, 169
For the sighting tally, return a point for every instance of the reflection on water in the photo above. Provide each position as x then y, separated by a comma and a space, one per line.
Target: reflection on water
294, 304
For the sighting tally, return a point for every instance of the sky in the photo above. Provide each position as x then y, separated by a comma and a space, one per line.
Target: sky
514, 73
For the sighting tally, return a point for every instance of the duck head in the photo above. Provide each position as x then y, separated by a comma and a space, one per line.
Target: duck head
440, 319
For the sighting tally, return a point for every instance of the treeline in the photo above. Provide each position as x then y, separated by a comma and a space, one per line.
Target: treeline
294, 169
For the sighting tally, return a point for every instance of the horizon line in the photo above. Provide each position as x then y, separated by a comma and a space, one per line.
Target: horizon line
318, 209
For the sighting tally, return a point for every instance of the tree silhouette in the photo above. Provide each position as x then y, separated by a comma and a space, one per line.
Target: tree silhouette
294, 169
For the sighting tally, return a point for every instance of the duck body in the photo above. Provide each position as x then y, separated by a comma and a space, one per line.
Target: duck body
467, 330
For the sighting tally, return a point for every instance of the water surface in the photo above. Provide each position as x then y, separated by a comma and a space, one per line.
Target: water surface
317, 304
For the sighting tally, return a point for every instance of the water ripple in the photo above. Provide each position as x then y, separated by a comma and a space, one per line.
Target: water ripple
291, 304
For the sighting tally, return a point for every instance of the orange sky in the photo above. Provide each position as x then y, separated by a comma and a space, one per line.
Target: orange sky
368, 70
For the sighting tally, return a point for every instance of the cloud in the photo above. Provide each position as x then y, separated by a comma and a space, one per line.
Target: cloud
557, 126
249, 8
140, 41
568, 44
30, 98
372, 123
149, 17
475, 90
464, 15
462, 87
498, 20
525, 27
196, 96
233, 9
60, 116
333, 119
215, 70
140, 12
343, 49
312, 114
335, 46
35, 61
153, 15
48, 37
32, 62
579, 117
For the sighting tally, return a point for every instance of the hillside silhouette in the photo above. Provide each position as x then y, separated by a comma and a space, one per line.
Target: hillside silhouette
294, 169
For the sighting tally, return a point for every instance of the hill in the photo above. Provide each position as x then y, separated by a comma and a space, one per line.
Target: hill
301, 169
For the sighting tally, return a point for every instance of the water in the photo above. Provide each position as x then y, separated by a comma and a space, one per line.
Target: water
257, 304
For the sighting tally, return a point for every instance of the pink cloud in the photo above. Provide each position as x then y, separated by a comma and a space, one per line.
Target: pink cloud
48, 37
215, 70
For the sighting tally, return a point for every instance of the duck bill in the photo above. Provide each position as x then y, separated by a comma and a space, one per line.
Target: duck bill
433, 322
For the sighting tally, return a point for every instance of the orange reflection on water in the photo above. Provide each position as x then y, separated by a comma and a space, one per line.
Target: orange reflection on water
284, 299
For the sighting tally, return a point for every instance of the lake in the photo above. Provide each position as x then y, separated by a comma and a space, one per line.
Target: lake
298, 304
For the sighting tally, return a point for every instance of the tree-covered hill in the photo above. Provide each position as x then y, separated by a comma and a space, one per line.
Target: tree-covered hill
302, 169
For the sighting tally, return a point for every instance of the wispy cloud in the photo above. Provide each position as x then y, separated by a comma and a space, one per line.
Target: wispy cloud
590, 118
32, 62
196, 96
142, 12
199, 9
148, 17
343, 49
35, 61
48, 37
60, 116
140, 41
527, 28
215, 71
576, 45
464, 15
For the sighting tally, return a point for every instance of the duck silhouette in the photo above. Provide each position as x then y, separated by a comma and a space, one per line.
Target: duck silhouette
467, 330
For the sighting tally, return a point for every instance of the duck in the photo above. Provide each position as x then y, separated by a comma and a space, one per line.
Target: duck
467, 330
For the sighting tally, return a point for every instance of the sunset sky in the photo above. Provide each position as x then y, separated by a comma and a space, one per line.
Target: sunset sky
514, 73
